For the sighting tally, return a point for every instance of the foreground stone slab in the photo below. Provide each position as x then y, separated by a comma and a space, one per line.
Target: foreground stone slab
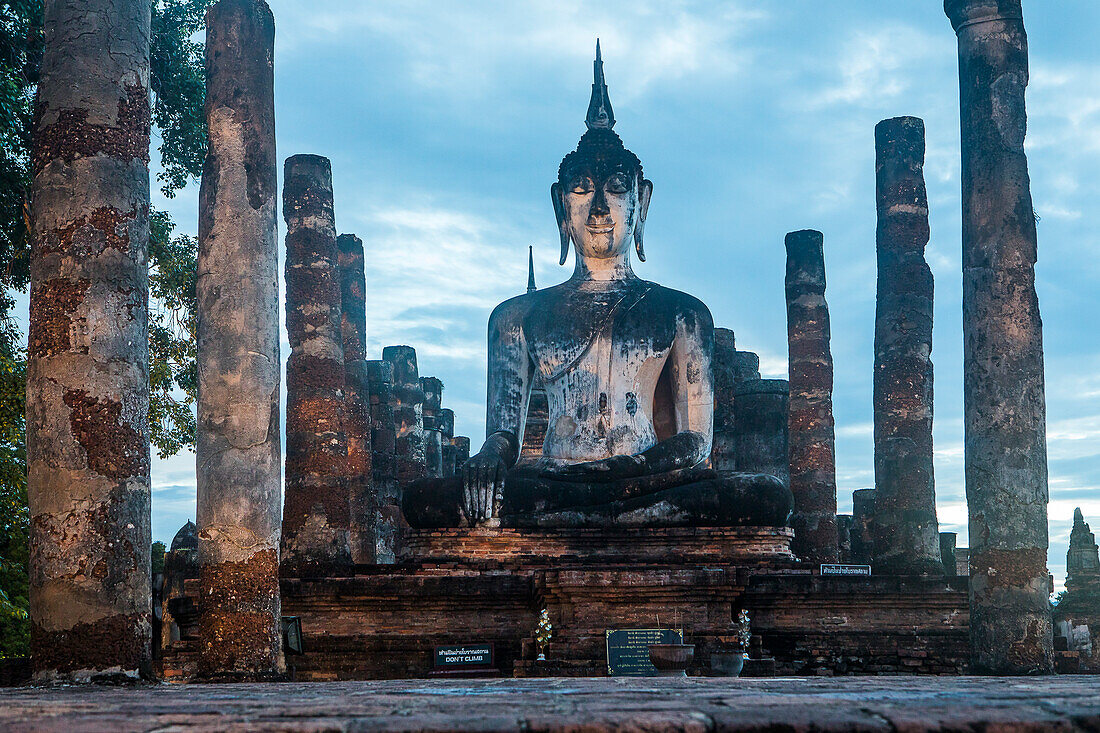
692, 704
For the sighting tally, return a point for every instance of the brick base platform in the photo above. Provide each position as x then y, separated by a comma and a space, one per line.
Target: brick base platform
1063, 704
718, 545
489, 587
860, 625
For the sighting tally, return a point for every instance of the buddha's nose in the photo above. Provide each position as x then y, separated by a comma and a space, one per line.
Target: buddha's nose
599, 204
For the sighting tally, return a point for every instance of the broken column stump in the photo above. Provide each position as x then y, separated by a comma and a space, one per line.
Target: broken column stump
1004, 406
723, 455
948, 541
906, 530
357, 418
862, 535
811, 438
88, 356
316, 511
761, 414
238, 454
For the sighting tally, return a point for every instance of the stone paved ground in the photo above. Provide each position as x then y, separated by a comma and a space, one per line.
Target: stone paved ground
861, 704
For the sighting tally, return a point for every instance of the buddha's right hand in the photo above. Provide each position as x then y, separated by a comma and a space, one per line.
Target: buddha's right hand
483, 481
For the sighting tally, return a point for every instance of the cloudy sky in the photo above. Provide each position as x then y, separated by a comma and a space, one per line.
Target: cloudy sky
445, 123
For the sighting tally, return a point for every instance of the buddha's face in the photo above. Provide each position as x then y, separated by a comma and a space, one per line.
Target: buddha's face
601, 209
601, 212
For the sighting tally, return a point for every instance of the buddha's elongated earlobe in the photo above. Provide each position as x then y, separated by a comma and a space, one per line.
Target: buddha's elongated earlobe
558, 197
645, 191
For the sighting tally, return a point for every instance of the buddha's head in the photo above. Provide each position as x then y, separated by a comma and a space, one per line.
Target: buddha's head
601, 197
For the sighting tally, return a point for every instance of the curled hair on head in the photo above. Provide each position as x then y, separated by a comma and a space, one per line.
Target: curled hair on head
602, 151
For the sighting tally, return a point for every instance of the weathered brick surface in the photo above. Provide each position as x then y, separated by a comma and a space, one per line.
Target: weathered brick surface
732, 545
877, 625
387, 625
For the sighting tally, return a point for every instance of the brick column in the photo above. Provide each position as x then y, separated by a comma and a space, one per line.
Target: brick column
386, 516
357, 417
812, 462
88, 354
1004, 405
863, 526
906, 531
316, 513
761, 414
408, 414
723, 455
238, 454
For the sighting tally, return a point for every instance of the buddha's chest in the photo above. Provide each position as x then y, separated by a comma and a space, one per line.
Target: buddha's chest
604, 350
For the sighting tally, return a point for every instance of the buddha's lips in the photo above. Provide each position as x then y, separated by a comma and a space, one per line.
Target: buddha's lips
600, 229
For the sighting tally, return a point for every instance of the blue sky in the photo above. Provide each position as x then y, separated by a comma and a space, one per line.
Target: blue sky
445, 123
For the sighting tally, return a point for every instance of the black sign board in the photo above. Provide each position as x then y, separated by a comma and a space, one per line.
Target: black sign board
850, 570
292, 635
457, 657
628, 650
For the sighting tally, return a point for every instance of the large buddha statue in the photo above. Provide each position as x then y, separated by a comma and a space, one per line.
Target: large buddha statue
626, 365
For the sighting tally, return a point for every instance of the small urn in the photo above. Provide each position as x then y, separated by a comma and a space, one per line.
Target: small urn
671, 660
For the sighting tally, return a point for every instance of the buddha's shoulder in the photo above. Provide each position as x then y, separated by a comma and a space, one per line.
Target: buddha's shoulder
677, 301
514, 309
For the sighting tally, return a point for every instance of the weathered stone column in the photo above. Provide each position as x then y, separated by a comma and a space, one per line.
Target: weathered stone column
844, 537
386, 518
446, 423
238, 454
1004, 407
948, 540
761, 414
462, 450
812, 458
408, 414
863, 526
357, 417
88, 354
723, 455
433, 453
906, 531
316, 511
433, 401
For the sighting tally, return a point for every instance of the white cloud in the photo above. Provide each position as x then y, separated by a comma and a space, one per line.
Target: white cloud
460, 49
877, 64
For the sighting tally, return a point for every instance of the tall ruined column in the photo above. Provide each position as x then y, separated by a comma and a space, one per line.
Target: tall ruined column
238, 453
357, 425
316, 512
386, 515
88, 354
810, 438
433, 401
723, 454
408, 414
907, 538
1004, 406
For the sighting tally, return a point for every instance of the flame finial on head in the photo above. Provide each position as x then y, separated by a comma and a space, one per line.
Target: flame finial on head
600, 115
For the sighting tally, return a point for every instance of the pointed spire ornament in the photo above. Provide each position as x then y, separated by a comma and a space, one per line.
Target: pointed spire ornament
600, 115
531, 269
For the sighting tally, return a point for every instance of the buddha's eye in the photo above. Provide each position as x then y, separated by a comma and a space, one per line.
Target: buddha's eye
618, 184
581, 186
